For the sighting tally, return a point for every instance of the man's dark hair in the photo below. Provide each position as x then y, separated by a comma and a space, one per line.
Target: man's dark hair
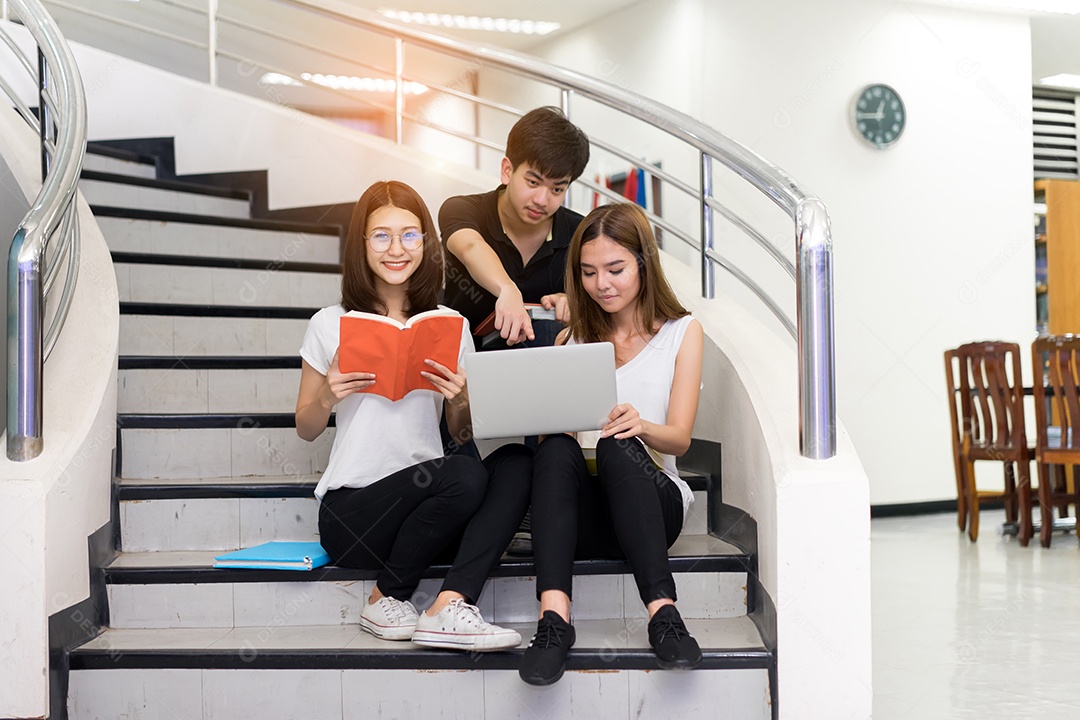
551, 144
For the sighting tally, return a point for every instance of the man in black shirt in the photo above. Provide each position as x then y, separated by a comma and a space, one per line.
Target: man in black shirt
507, 247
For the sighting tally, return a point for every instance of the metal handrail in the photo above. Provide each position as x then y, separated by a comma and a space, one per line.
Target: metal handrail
61, 127
812, 269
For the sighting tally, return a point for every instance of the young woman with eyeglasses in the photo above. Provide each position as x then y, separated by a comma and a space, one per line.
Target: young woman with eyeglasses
634, 506
390, 500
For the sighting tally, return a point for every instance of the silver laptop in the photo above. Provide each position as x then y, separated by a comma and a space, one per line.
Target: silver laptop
540, 391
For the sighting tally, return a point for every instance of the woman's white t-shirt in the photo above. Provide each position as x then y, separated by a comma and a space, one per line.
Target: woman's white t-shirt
645, 382
375, 437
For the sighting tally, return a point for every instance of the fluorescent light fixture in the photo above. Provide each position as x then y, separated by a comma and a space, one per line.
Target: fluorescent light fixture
1061, 7
278, 79
346, 82
474, 22
1065, 80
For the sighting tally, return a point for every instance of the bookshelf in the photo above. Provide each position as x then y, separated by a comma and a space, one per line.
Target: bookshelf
1057, 256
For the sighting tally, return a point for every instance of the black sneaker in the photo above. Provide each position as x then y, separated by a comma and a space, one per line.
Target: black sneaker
545, 659
671, 641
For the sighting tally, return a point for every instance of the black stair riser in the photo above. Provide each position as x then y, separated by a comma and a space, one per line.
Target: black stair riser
506, 568
232, 263
209, 362
254, 658
190, 421
213, 492
241, 311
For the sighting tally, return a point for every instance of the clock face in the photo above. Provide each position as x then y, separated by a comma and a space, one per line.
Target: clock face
879, 115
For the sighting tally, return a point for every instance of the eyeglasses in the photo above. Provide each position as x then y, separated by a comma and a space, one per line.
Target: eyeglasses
411, 239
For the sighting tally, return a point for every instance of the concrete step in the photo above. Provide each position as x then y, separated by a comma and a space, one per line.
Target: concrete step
241, 449
341, 672
179, 336
144, 194
148, 283
177, 390
172, 237
204, 514
118, 166
181, 589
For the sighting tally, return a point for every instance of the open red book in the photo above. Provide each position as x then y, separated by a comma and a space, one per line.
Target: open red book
395, 352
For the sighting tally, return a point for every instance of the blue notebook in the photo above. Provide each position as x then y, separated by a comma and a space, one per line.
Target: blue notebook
276, 555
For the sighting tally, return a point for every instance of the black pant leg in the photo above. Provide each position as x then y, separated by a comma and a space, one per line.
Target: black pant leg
559, 480
494, 524
401, 522
646, 513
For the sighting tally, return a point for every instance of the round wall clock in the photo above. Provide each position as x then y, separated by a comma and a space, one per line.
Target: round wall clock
878, 115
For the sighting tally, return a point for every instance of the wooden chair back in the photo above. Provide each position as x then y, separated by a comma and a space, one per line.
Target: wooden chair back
1056, 363
986, 403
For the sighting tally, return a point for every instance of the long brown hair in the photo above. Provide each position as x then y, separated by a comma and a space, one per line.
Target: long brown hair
627, 225
358, 290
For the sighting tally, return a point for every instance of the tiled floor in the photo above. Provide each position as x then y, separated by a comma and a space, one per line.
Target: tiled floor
973, 630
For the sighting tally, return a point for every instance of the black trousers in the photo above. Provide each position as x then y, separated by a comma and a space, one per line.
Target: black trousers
405, 522
630, 510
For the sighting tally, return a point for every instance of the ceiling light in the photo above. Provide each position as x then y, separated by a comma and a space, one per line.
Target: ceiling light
474, 22
1065, 80
346, 82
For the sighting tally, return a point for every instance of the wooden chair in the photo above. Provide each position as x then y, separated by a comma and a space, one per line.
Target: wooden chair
986, 402
1057, 415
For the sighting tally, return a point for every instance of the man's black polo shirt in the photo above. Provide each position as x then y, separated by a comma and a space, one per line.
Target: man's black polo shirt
542, 276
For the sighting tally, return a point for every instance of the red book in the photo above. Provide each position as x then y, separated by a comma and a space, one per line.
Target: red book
395, 352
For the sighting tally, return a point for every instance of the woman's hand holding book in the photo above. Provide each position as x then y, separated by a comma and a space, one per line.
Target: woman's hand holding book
340, 385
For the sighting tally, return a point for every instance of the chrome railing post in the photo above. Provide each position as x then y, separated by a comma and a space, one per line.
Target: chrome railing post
399, 87
708, 272
817, 391
61, 125
44, 114
211, 39
25, 360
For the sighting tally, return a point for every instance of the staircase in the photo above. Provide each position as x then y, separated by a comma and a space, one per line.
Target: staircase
214, 305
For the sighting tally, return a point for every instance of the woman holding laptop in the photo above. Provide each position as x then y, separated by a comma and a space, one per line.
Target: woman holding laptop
389, 499
634, 506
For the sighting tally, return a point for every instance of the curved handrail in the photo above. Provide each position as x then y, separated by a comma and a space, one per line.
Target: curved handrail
61, 125
813, 241
812, 269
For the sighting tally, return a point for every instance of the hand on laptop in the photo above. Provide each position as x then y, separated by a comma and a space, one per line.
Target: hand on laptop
623, 422
511, 318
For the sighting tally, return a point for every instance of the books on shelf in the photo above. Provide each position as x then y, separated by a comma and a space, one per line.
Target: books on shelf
396, 352
276, 555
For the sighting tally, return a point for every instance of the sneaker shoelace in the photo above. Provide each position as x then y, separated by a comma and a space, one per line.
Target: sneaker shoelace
470, 614
670, 626
395, 609
548, 635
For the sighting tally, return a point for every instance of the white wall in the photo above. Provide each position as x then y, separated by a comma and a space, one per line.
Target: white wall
49, 506
310, 161
932, 237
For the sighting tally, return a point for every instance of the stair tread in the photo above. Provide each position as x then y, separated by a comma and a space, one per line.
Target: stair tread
613, 644
291, 481
311, 480
689, 554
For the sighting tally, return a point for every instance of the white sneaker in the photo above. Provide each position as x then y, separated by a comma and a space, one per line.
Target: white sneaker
459, 626
389, 619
